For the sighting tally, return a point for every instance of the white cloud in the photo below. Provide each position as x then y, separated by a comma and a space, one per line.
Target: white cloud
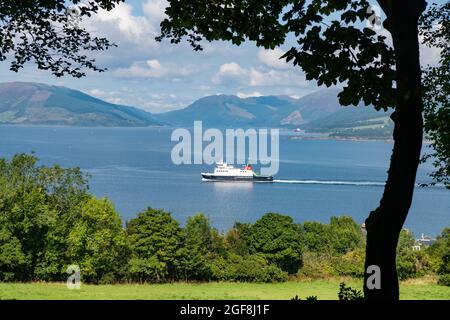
155, 10
249, 95
97, 92
120, 23
109, 96
271, 58
155, 65
230, 72
116, 101
233, 75
154, 69
428, 56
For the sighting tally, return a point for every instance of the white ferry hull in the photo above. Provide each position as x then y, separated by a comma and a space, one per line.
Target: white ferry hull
255, 178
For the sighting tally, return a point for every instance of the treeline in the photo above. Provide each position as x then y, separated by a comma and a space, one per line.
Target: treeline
49, 220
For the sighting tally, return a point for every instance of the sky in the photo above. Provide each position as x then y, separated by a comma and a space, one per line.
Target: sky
160, 77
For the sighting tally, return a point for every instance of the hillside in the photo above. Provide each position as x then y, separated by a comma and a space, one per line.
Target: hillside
275, 111
226, 110
316, 112
41, 104
355, 122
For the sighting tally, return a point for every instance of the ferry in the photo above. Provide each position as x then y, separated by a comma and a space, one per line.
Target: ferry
226, 172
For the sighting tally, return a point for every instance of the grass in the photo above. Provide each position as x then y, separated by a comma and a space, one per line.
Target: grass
323, 289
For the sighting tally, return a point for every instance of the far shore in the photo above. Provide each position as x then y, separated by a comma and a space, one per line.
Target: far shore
347, 138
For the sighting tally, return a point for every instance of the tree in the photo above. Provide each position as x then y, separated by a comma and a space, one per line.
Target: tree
235, 239
66, 193
440, 252
96, 241
406, 262
154, 238
12, 257
197, 247
435, 29
38, 207
346, 234
277, 238
335, 249
49, 34
333, 47
316, 237
25, 218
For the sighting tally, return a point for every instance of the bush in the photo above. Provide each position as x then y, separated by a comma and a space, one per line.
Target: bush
347, 293
316, 265
153, 239
251, 268
411, 264
346, 235
350, 264
444, 280
278, 239
406, 266
324, 265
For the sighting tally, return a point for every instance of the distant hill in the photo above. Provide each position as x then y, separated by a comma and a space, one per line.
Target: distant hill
316, 112
278, 111
226, 110
360, 122
41, 104
34, 103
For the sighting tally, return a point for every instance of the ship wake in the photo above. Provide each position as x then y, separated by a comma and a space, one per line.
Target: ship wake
334, 182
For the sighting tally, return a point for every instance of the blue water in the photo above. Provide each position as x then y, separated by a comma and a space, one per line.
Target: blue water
132, 166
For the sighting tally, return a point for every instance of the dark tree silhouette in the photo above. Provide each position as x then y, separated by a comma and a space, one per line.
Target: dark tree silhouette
48, 33
435, 29
333, 46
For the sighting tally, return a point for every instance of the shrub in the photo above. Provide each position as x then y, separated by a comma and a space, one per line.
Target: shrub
350, 264
347, 293
316, 265
153, 238
251, 268
277, 238
444, 280
308, 298
346, 235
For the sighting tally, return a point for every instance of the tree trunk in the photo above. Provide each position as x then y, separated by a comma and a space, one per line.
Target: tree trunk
385, 223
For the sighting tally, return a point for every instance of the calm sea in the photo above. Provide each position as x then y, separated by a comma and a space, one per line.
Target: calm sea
132, 166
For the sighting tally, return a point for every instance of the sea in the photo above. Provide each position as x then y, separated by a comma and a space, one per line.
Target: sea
317, 178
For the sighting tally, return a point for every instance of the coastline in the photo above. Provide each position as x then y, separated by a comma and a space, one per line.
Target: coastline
338, 138
348, 138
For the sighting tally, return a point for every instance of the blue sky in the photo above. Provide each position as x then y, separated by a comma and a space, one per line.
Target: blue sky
161, 77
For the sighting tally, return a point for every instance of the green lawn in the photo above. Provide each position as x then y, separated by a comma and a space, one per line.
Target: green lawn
324, 289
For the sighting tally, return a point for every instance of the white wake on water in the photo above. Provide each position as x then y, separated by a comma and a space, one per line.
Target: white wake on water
332, 182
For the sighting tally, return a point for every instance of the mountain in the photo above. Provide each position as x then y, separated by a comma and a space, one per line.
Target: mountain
350, 117
319, 112
41, 104
34, 103
226, 110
